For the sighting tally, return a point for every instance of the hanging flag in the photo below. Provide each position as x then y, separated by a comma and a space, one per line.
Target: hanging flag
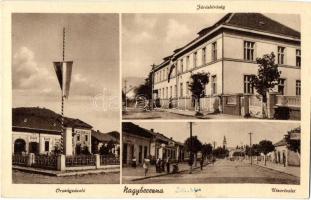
63, 72
171, 70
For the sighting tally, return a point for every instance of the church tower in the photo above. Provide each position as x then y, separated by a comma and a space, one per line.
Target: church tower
225, 143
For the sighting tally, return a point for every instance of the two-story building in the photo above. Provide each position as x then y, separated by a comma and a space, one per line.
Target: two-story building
227, 51
38, 130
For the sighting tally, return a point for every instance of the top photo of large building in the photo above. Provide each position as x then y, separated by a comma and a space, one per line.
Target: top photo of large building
239, 65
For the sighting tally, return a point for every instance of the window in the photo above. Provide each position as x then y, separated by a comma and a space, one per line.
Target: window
281, 86
214, 51
159, 93
163, 93
281, 52
187, 63
167, 92
78, 137
248, 50
175, 91
214, 84
46, 146
248, 88
171, 91
181, 66
298, 57
181, 90
86, 138
204, 55
187, 88
195, 59
298, 87
145, 152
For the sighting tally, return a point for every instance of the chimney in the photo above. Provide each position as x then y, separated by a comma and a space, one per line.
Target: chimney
152, 130
171, 138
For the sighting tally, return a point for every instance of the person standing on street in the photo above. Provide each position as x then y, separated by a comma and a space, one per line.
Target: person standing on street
146, 166
168, 164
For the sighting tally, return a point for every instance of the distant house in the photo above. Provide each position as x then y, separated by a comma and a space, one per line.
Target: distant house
38, 130
285, 155
100, 140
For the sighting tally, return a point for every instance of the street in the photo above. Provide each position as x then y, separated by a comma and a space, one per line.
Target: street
133, 113
225, 171
29, 178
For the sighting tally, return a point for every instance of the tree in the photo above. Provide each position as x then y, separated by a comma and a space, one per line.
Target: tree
197, 87
194, 147
206, 149
293, 144
267, 77
220, 152
266, 147
145, 88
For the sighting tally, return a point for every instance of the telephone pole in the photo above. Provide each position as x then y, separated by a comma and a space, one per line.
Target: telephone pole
125, 94
250, 145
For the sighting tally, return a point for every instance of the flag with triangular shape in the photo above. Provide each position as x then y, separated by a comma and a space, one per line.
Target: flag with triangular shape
63, 72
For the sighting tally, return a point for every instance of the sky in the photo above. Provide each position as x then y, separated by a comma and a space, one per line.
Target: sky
236, 133
92, 43
148, 38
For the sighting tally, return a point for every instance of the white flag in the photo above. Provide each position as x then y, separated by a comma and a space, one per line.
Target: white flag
63, 72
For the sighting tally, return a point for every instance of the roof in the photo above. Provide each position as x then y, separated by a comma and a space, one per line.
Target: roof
103, 136
43, 119
281, 143
133, 129
251, 21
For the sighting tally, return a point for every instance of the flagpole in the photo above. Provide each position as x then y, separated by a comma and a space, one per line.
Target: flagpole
62, 133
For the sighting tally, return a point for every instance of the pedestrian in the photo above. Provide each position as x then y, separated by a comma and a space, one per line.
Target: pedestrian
201, 163
162, 166
134, 162
158, 165
168, 164
146, 165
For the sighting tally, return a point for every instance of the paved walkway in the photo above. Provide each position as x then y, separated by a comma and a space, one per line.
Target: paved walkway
106, 169
132, 174
292, 170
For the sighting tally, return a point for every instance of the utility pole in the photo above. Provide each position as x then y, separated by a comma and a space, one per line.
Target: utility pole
125, 95
214, 144
250, 145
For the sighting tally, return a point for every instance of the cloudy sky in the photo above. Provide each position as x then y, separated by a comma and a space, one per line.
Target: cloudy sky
236, 132
148, 38
92, 43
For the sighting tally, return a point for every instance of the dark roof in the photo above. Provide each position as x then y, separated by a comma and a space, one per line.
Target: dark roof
43, 119
281, 143
253, 21
103, 137
133, 129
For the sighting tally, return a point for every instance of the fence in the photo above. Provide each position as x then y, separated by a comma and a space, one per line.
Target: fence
80, 160
289, 101
109, 160
45, 161
19, 159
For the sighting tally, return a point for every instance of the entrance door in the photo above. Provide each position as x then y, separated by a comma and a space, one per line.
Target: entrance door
19, 146
34, 147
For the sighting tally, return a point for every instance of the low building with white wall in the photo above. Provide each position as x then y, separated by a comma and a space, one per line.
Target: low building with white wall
38, 130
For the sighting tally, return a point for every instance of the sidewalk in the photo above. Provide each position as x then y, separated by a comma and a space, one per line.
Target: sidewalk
135, 174
107, 169
291, 170
206, 115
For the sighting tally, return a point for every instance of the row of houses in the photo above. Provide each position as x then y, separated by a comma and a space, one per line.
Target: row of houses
38, 130
286, 153
140, 143
228, 50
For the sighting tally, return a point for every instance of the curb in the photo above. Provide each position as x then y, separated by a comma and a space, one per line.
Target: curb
158, 175
276, 170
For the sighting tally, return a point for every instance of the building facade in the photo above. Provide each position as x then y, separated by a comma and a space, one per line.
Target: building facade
38, 130
140, 143
228, 51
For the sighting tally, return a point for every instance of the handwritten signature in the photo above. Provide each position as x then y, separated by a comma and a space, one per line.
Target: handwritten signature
188, 190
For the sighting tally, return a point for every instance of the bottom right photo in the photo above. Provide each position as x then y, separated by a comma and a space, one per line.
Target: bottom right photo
211, 152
